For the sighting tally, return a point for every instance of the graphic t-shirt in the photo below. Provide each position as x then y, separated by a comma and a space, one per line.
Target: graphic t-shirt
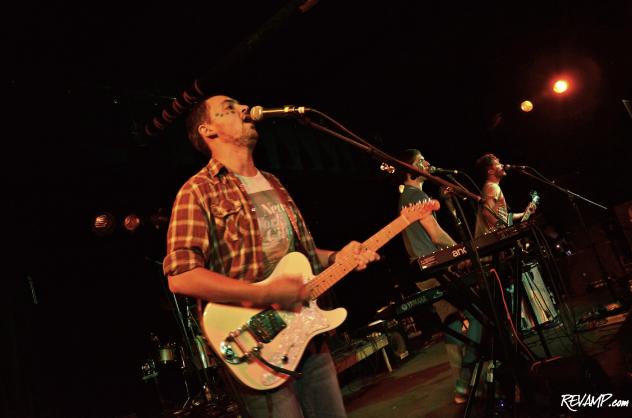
274, 224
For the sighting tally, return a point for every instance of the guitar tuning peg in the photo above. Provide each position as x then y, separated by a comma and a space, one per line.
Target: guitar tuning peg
388, 168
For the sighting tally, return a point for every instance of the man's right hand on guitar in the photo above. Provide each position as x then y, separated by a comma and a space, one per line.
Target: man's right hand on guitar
286, 292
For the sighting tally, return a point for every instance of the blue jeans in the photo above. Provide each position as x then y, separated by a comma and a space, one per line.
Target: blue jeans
315, 395
470, 354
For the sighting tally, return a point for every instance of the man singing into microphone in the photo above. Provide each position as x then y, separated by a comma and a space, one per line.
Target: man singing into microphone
230, 226
420, 239
494, 213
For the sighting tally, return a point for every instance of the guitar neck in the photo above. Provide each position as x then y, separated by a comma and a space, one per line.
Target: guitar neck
526, 216
332, 274
527, 212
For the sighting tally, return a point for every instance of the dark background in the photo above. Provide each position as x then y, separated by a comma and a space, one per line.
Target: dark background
84, 81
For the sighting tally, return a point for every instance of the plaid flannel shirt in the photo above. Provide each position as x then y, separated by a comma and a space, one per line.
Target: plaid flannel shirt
214, 225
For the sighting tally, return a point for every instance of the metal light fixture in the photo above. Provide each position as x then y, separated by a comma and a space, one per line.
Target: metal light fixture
131, 222
103, 224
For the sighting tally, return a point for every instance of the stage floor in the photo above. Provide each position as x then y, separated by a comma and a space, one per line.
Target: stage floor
423, 384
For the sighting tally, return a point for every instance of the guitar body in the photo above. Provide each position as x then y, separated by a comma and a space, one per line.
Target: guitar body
286, 348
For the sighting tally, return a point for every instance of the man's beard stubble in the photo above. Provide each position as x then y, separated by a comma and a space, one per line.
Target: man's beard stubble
248, 139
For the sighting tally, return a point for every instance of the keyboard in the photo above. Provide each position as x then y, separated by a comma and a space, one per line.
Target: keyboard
486, 244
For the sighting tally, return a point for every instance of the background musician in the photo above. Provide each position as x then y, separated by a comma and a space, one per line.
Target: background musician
422, 238
494, 212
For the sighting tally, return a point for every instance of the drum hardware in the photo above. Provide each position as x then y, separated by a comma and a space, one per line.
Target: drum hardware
167, 353
186, 371
163, 368
410, 327
149, 370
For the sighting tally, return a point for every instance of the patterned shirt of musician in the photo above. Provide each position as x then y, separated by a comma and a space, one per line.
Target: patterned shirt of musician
492, 192
214, 225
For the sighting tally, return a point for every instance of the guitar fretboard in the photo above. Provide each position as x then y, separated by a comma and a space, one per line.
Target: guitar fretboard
332, 274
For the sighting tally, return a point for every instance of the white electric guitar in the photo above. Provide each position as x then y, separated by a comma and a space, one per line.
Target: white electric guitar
262, 347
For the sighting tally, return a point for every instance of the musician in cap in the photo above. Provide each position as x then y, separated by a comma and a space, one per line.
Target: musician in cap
230, 226
422, 238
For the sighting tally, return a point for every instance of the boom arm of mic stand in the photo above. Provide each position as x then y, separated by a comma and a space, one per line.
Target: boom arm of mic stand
555, 186
378, 154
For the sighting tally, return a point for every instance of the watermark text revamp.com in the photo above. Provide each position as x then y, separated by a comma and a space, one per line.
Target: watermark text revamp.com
576, 402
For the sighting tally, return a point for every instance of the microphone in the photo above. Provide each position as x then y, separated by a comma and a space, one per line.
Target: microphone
437, 170
514, 167
258, 113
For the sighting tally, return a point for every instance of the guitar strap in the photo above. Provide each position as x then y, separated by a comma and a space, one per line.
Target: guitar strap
216, 256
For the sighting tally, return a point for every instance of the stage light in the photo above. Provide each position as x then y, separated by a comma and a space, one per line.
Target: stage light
560, 86
103, 224
526, 106
131, 222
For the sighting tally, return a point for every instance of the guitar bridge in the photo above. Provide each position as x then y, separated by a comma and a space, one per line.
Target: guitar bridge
266, 325
263, 327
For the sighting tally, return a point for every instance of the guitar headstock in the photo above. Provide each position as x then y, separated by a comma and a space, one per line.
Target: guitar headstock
535, 197
388, 168
418, 210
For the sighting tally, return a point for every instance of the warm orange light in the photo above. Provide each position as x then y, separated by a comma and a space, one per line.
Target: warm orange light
526, 106
131, 222
560, 86
103, 224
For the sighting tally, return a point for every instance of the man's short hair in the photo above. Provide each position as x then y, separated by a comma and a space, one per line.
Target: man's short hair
196, 116
484, 163
407, 156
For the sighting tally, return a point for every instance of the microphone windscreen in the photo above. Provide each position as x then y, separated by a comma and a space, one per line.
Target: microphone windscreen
256, 113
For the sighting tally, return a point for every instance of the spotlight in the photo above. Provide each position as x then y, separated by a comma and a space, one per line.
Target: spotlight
560, 86
103, 224
526, 106
131, 222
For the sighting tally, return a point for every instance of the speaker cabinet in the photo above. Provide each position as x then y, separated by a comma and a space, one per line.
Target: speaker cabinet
581, 269
549, 380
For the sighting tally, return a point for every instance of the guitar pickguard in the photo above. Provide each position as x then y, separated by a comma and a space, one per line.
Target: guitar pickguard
280, 336
289, 344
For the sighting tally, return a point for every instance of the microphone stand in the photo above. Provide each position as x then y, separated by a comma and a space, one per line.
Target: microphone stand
572, 197
378, 154
449, 199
